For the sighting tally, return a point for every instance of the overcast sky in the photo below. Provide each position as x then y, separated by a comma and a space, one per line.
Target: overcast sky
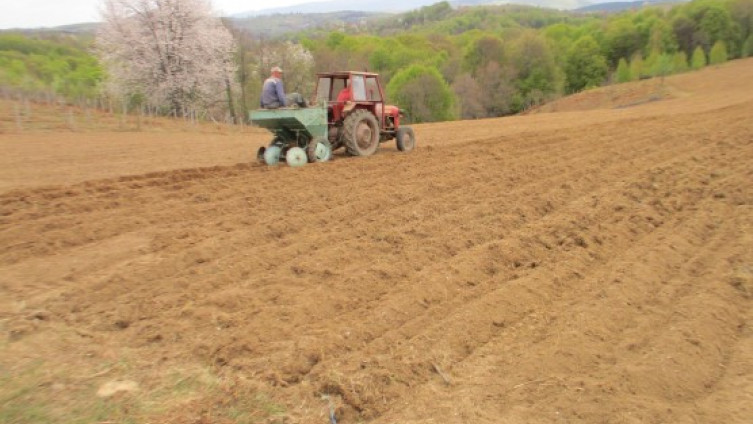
41, 13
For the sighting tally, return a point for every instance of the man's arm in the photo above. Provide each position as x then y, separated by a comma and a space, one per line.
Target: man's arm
281, 94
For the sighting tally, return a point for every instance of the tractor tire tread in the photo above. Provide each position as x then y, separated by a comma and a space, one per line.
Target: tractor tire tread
349, 135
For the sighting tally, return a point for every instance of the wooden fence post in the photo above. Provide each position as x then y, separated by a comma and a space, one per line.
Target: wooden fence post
71, 119
19, 123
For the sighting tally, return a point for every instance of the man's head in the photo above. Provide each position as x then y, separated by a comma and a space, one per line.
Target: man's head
277, 72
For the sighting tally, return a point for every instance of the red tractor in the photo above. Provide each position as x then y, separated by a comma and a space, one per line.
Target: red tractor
356, 114
348, 111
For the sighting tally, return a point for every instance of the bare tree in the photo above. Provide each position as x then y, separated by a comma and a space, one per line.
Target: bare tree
174, 54
470, 97
496, 83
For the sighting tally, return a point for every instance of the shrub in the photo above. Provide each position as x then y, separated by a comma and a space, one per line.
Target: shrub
623, 71
718, 53
747, 49
680, 62
636, 66
699, 58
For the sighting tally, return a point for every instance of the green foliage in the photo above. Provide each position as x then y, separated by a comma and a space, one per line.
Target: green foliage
623, 71
742, 14
483, 50
62, 67
747, 48
622, 39
335, 39
585, 66
717, 25
423, 92
712, 22
519, 56
718, 53
680, 62
698, 60
385, 55
636, 66
538, 76
650, 64
561, 37
662, 66
662, 37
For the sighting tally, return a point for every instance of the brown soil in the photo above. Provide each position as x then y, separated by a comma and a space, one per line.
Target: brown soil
578, 266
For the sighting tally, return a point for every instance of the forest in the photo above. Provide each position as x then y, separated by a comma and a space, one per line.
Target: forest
438, 63
49, 66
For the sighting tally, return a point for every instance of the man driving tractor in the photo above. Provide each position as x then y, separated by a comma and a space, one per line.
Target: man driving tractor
273, 94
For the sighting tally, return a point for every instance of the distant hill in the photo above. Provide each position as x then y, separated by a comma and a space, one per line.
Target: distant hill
358, 14
82, 28
549, 4
279, 24
396, 6
381, 6
619, 6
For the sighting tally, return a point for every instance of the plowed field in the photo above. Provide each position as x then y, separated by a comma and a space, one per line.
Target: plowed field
593, 264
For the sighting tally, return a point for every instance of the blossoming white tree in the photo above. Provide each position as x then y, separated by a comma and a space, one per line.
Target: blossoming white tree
175, 54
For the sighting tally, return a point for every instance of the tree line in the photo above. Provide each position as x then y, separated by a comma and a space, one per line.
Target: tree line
49, 67
437, 62
492, 61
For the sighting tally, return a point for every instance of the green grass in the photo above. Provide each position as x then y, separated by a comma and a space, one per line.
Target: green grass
42, 392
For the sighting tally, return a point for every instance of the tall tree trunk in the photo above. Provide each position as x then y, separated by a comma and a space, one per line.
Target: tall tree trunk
230, 107
243, 76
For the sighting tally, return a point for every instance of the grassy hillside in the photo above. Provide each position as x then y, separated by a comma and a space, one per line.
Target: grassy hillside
52, 64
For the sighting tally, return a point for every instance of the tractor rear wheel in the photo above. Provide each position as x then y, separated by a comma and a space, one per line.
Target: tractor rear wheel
405, 139
361, 133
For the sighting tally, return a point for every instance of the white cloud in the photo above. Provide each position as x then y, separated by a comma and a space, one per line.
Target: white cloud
41, 13
36, 13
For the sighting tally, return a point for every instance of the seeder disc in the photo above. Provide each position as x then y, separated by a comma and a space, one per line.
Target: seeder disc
296, 157
319, 150
272, 155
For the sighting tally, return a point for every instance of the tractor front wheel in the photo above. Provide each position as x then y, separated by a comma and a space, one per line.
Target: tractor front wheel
361, 133
405, 139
